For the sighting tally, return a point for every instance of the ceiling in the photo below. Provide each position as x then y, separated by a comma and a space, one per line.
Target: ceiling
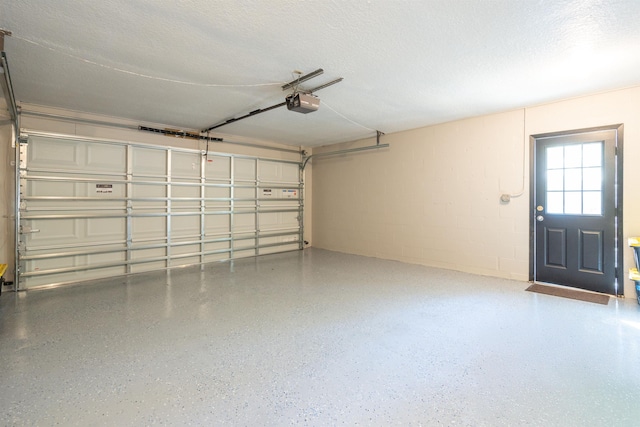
406, 64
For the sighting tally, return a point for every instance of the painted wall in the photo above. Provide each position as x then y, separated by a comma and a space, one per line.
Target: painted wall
433, 196
28, 122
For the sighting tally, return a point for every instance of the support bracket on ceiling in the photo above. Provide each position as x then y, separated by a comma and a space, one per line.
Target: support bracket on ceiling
2, 34
300, 79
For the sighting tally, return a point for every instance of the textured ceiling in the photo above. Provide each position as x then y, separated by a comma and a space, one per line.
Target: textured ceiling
406, 64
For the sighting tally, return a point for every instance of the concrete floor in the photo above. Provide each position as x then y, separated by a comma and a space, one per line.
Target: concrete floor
316, 338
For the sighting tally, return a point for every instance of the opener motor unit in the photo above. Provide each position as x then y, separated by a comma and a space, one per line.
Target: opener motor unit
303, 103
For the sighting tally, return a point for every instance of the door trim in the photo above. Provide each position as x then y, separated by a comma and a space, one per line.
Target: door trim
619, 129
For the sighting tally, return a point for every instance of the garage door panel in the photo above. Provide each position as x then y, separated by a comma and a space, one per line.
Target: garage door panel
276, 249
149, 161
289, 238
148, 266
248, 253
289, 219
217, 208
185, 165
182, 226
55, 264
106, 258
149, 207
270, 171
78, 265
185, 249
100, 229
185, 207
148, 228
216, 224
75, 231
144, 207
278, 172
218, 168
51, 188
279, 220
216, 246
183, 262
269, 220
243, 223
216, 192
86, 275
114, 207
216, 257
244, 243
290, 172
52, 231
269, 240
142, 192
244, 169
147, 254
185, 191
106, 158
61, 278
178, 260
245, 193
55, 154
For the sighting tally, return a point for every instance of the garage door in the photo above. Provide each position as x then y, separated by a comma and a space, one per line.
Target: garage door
92, 209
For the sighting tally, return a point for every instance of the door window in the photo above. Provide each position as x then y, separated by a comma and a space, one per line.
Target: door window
574, 179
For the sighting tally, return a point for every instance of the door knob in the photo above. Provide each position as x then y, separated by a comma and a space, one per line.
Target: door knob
540, 218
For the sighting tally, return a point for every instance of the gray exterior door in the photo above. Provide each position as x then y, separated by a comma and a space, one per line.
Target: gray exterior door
575, 210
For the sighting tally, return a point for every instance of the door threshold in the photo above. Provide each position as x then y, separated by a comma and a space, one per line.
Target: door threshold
571, 293
555, 285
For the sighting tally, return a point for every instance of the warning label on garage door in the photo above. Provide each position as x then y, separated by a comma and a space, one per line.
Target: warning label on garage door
290, 194
104, 188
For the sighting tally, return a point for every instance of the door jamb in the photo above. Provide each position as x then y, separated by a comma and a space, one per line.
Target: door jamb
619, 128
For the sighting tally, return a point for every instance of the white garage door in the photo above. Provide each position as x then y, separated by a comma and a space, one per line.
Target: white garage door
94, 208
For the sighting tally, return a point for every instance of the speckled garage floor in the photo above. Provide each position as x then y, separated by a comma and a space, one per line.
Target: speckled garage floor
316, 338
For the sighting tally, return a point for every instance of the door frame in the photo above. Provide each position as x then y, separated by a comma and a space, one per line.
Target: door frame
619, 129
